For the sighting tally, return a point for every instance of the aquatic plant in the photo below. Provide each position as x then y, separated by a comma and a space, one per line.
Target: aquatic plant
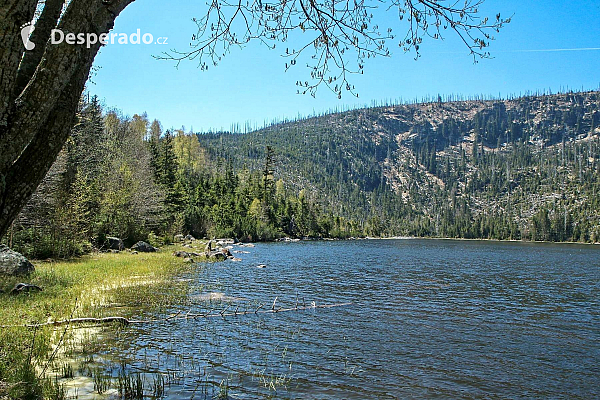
102, 382
131, 386
67, 371
223, 390
158, 386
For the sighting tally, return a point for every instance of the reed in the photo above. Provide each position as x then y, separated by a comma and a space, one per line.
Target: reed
158, 386
67, 371
130, 386
102, 285
102, 382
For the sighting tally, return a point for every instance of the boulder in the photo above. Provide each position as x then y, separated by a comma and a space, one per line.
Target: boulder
179, 238
181, 253
114, 243
185, 254
143, 247
190, 237
216, 255
13, 263
25, 287
188, 260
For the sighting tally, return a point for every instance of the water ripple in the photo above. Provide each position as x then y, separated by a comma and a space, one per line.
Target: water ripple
428, 318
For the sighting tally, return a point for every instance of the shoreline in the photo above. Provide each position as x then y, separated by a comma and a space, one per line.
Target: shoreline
290, 240
94, 285
479, 240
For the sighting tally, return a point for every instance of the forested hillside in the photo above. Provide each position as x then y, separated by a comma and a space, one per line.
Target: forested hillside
127, 177
525, 168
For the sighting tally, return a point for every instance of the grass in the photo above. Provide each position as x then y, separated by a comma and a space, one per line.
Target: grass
95, 285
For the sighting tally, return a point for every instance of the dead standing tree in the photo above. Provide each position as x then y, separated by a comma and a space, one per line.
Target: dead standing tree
40, 88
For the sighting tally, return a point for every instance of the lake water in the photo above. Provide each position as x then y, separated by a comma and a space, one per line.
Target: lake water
429, 318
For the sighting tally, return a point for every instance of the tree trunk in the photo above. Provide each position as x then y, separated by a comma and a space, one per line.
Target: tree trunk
40, 90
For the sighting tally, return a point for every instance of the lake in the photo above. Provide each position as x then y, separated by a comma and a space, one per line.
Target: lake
428, 318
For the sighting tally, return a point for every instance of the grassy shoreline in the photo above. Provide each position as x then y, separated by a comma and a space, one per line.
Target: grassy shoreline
95, 285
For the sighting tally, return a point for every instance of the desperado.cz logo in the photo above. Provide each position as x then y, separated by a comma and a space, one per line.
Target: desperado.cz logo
26, 31
89, 39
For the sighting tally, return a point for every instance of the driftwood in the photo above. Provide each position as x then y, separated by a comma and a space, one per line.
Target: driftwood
210, 314
106, 320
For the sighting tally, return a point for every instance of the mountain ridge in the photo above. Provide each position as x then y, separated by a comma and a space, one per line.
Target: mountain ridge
514, 157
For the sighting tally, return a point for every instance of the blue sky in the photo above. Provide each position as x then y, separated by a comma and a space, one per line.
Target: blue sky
251, 84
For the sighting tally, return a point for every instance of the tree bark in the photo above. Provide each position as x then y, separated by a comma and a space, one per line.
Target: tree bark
40, 36
38, 120
13, 15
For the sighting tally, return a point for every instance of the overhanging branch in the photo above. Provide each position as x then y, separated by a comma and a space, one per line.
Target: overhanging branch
343, 30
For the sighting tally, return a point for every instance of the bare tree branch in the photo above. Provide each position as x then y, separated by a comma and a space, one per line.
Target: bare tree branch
342, 30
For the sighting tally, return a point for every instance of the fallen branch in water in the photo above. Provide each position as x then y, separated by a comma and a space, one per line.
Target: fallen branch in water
59, 342
210, 314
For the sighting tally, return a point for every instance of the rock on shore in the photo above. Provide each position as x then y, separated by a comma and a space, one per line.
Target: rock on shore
143, 247
13, 263
115, 243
